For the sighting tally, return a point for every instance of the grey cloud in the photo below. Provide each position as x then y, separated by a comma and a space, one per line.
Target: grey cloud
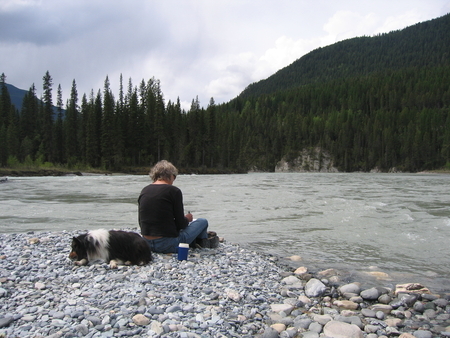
56, 22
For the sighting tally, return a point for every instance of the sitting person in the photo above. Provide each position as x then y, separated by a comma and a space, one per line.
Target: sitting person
161, 213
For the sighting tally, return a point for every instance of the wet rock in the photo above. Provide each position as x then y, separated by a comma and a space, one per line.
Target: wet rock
386, 309
370, 294
352, 288
419, 307
314, 288
301, 270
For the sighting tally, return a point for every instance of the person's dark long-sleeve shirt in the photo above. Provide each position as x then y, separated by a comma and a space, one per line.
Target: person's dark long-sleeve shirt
161, 211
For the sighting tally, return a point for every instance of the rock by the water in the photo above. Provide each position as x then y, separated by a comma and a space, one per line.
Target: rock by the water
314, 288
352, 288
370, 294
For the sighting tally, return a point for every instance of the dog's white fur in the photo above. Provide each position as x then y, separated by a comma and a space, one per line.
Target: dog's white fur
101, 236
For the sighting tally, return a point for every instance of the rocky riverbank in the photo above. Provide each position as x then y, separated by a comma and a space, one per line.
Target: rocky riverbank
224, 292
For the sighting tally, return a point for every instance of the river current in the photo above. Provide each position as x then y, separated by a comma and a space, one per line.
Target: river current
361, 224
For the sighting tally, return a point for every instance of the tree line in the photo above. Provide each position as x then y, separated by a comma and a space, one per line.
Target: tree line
99, 131
388, 119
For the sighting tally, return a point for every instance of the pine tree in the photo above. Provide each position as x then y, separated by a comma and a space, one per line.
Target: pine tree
72, 127
59, 149
5, 101
46, 127
108, 128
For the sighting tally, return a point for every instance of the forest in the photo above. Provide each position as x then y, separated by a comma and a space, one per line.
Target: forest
371, 102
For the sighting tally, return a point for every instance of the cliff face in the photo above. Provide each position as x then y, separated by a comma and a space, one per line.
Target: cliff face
309, 160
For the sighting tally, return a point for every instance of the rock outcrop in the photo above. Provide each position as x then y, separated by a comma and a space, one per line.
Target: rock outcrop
309, 160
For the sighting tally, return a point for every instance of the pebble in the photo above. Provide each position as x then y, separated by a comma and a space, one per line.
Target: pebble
223, 292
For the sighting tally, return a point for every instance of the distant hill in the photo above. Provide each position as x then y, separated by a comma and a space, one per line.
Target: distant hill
423, 44
16, 95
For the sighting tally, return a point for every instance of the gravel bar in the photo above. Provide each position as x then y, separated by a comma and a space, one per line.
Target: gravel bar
225, 292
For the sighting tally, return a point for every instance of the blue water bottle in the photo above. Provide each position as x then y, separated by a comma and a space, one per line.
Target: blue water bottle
183, 250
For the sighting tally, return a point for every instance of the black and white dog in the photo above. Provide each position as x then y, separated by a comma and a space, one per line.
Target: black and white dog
115, 247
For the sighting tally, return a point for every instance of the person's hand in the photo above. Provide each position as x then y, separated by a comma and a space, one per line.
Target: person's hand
189, 217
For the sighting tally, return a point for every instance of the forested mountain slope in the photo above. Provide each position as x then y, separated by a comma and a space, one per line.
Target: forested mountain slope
424, 44
378, 102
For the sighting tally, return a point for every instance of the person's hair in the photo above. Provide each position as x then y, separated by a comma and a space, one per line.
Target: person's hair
163, 170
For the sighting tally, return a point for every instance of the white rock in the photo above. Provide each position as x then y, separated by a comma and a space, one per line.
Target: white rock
279, 327
295, 258
286, 308
304, 299
290, 280
322, 319
39, 286
157, 327
301, 270
338, 329
233, 295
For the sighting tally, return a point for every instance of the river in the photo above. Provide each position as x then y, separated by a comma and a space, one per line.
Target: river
398, 224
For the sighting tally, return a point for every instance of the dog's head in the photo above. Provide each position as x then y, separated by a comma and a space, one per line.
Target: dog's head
79, 249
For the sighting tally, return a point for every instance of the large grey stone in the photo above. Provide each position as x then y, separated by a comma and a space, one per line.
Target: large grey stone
350, 288
314, 288
6, 321
422, 334
370, 294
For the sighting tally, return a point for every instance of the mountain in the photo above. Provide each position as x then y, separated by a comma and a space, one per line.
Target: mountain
16, 95
365, 104
423, 44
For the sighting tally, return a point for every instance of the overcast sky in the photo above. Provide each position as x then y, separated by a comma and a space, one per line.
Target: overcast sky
204, 48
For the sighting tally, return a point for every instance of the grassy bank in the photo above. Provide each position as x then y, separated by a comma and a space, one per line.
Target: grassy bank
19, 172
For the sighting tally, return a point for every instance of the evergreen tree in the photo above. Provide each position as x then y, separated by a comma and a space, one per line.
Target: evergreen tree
108, 128
5, 101
72, 127
59, 149
46, 127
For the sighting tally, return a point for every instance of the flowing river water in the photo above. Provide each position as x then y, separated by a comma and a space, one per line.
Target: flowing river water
361, 224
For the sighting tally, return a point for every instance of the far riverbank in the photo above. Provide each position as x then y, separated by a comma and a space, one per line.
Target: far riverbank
36, 172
